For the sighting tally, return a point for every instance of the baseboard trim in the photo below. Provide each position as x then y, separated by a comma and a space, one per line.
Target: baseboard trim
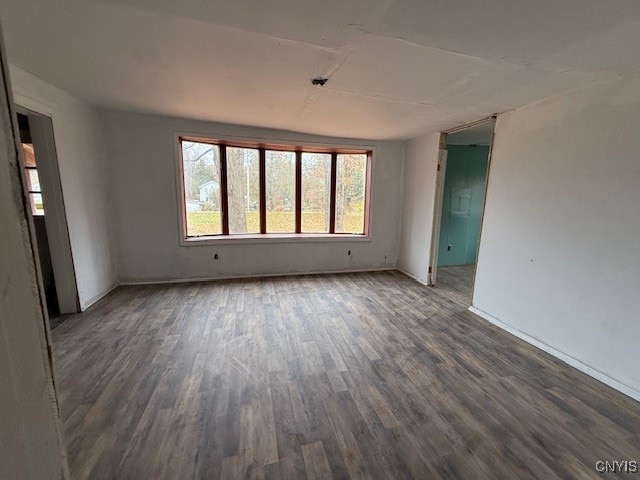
98, 297
410, 275
261, 275
569, 360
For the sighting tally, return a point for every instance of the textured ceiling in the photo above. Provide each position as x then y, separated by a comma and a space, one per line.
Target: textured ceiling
396, 69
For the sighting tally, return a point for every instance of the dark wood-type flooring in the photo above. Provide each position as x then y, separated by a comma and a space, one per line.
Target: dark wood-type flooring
336, 376
56, 320
456, 282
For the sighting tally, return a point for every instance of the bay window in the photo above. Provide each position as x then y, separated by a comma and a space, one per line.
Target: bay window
248, 190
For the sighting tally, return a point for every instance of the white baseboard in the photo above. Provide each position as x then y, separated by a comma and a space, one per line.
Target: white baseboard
569, 360
410, 275
260, 275
99, 296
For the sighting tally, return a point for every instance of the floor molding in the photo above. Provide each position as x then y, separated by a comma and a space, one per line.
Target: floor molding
412, 276
99, 296
569, 360
261, 275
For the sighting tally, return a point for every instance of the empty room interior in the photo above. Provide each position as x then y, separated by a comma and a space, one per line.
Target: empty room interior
294, 239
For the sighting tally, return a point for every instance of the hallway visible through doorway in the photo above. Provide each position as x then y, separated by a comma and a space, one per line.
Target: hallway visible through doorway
46, 206
463, 174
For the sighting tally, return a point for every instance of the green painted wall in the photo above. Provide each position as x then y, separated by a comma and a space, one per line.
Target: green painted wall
462, 204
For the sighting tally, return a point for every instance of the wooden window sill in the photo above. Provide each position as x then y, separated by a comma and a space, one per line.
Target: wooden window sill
273, 238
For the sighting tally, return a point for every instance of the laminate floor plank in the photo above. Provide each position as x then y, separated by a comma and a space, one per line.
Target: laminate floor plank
366, 375
456, 282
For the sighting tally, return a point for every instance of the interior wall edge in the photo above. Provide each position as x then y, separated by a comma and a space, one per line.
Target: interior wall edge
402, 200
558, 254
560, 355
413, 277
31, 432
80, 150
419, 182
96, 298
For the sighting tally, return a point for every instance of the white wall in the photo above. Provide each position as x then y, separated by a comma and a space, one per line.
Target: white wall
421, 160
559, 259
81, 160
30, 438
142, 183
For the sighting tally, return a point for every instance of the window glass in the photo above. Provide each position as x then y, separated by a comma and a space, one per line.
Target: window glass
37, 207
28, 155
235, 207
351, 177
33, 181
280, 180
201, 168
316, 191
243, 189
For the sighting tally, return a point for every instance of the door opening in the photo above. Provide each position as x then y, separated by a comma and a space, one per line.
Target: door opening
47, 211
460, 197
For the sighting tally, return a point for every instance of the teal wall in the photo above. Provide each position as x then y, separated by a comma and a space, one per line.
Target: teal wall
462, 204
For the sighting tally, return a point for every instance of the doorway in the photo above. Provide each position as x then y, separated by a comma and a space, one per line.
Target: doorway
46, 206
462, 180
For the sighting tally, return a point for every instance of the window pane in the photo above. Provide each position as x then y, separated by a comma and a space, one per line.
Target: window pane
280, 172
351, 175
316, 190
243, 184
36, 203
28, 155
201, 167
33, 181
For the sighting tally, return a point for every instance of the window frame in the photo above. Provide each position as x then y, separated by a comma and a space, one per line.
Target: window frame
262, 146
30, 191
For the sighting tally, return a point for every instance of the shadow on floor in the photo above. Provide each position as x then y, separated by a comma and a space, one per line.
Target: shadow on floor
57, 320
